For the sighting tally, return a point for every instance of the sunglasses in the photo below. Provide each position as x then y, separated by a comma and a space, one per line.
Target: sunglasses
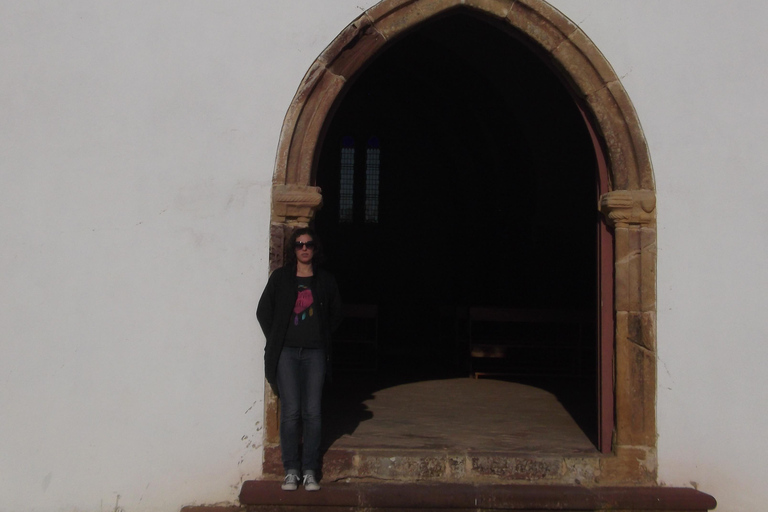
301, 245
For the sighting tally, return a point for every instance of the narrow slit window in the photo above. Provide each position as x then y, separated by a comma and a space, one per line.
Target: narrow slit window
372, 167
347, 180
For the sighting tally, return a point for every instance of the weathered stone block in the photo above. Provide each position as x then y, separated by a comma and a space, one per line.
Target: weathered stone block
588, 49
551, 15
294, 205
641, 329
635, 392
345, 39
613, 128
648, 269
535, 26
386, 8
582, 471
631, 465
635, 276
308, 126
630, 209
642, 158
276, 257
635, 262
457, 467
338, 464
408, 15
290, 124
518, 468
622, 282
580, 71
349, 52
403, 467
498, 8
273, 462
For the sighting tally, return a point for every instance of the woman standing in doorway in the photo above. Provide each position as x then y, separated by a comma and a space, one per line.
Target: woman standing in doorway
298, 310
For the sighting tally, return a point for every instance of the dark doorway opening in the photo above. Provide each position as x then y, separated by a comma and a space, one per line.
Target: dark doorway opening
457, 172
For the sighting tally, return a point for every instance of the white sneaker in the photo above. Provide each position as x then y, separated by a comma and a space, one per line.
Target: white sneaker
310, 484
291, 482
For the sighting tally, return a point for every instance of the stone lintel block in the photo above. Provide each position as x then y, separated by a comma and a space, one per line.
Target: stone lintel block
635, 389
630, 466
353, 48
518, 468
531, 22
409, 14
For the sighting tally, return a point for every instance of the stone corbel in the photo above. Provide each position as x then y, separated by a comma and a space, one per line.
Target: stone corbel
295, 205
624, 208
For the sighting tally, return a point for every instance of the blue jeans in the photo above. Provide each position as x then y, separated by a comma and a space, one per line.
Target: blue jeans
300, 379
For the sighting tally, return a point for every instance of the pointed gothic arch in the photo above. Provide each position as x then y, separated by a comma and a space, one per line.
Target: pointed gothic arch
627, 194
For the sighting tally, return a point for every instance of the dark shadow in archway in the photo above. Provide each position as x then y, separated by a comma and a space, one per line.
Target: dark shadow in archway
486, 197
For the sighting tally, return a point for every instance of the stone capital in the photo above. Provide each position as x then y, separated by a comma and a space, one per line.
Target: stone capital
295, 204
624, 208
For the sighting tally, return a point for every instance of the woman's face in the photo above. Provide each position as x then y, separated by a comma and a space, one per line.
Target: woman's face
305, 249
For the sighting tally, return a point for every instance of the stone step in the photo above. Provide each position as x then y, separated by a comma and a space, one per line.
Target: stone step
474, 467
266, 495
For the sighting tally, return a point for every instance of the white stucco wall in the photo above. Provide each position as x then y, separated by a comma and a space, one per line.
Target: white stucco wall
137, 144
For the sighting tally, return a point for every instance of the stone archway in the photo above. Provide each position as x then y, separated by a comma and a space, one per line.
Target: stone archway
628, 204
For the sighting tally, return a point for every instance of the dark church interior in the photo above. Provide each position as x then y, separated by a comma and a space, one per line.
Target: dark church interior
459, 188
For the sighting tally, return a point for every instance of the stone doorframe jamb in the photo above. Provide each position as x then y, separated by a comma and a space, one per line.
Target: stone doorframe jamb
629, 207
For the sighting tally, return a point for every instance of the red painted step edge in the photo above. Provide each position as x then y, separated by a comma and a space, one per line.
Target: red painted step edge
435, 495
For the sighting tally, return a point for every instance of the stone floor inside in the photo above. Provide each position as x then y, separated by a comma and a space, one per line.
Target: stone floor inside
454, 414
455, 429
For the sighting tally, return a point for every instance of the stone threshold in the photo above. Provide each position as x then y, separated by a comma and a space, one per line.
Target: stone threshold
439, 466
266, 495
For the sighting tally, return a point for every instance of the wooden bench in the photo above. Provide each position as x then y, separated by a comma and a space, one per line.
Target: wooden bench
504, 341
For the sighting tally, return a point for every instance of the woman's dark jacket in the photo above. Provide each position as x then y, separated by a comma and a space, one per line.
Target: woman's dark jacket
276, 307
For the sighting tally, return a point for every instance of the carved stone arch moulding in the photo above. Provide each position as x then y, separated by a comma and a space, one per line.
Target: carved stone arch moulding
629, 206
